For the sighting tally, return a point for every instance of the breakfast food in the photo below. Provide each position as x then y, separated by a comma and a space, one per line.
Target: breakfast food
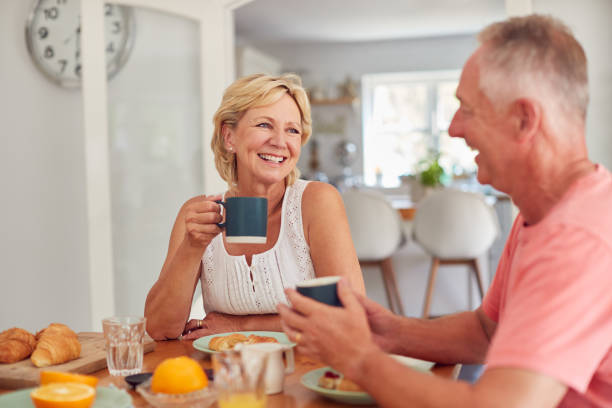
56, 344
49, 377
333, 381
178, 375
222, 343
63, 395
15, 345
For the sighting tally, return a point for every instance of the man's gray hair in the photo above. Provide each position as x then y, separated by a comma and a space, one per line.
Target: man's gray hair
534, 56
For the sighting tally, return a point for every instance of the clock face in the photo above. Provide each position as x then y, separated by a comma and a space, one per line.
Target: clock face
53, 36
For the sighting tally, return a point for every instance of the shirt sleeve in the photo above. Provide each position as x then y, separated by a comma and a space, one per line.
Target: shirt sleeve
557, 319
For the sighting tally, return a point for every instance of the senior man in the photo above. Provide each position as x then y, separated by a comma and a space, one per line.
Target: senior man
544, 329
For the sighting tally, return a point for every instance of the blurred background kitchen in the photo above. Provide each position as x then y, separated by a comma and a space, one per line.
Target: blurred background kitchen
92, 175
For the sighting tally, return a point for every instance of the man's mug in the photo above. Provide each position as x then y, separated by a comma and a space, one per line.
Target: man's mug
323, 289
246, 220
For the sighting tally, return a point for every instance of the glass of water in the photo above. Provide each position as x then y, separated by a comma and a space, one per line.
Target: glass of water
124, 336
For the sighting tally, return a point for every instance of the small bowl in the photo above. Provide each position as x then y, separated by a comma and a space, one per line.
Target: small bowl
202, 398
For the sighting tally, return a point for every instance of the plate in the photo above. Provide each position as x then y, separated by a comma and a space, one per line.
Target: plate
105, 398
202, 343
310, 380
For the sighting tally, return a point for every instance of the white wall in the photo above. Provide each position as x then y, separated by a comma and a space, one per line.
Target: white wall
43, 245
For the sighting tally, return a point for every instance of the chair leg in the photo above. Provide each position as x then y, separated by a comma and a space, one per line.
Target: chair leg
435, 262
476, 270
385, 279
391, 286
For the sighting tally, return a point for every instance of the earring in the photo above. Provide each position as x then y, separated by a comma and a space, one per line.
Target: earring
231, 149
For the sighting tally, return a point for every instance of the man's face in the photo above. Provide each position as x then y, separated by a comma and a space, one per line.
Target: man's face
482, 128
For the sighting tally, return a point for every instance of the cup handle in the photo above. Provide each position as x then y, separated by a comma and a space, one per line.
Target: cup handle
290, 360
221, 224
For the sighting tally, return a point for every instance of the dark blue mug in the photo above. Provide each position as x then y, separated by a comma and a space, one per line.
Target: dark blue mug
246, 220
323, 289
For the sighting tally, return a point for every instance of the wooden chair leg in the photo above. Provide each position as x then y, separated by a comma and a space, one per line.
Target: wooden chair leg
435, 262
391, 286
387, 285
476, 270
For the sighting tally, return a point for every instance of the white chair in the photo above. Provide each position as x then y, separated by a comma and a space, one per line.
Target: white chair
377, 232
454, 227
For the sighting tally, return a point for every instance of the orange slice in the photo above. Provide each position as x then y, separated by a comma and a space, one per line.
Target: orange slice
178, 376
48, 377
63, 395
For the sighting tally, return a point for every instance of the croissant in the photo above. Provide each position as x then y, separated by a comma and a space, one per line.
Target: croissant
56, 344
222, 343
15, 345
254, 339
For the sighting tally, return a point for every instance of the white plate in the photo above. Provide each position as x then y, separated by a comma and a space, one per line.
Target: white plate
105, 398
310, 380
202, 343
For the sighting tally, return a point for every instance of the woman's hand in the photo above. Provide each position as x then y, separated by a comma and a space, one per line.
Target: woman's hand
213, 323
201, 217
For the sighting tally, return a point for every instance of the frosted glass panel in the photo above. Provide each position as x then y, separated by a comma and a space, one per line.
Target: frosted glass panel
154, 109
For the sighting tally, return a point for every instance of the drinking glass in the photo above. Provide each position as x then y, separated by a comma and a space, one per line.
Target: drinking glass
124, 337
240, 381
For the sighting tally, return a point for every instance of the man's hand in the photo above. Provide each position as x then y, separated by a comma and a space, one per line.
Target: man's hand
383, 323
338, 336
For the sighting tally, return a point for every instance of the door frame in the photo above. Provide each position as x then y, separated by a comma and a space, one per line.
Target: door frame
216, 21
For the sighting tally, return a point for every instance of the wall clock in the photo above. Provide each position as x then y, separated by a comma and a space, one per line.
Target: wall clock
53, 37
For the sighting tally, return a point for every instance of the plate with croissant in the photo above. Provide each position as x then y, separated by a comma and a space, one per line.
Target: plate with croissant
226, 341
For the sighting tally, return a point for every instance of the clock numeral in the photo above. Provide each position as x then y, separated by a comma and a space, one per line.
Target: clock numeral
116, 27
108, 9
77, 70
51, 13
110, 47
49, 52
63, 63
43, 32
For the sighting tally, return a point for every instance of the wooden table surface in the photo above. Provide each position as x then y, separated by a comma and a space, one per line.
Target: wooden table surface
295, 395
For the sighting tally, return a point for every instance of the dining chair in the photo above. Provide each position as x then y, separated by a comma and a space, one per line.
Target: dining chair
454, 227
377, 232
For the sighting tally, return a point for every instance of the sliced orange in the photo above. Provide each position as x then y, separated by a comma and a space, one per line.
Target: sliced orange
48, 377
178, 376
63, 395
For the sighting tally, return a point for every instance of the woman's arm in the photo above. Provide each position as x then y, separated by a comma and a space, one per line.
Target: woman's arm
328, 234
169, 300
215, 322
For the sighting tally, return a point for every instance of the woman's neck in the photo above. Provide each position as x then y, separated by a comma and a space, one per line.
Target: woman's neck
274, 193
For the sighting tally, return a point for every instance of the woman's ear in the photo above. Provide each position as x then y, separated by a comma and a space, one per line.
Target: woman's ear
528, 115
228, 137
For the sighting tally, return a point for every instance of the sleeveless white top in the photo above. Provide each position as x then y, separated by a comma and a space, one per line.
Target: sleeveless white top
226, 279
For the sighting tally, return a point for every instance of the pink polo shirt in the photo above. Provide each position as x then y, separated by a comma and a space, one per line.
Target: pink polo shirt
552, 294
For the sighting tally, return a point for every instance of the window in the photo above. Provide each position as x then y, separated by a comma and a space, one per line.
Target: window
405, 123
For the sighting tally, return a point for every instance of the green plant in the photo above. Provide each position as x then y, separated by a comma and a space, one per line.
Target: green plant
434, 174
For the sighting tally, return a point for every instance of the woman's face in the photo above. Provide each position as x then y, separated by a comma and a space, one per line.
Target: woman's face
267, 142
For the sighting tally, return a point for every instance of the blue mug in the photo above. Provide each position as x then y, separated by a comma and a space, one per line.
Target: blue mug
323, 289
246, 220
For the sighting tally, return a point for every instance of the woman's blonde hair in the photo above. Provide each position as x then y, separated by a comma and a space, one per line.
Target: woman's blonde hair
250, 92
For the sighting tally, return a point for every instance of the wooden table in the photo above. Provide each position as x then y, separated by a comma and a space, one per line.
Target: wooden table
295, 395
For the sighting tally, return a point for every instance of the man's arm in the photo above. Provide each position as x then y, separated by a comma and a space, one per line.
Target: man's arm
431, 339
392, 384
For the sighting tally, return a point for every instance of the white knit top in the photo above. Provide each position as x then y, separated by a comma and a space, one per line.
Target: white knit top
226, 279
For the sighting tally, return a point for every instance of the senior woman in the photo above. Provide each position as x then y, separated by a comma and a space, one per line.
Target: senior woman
260, 128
